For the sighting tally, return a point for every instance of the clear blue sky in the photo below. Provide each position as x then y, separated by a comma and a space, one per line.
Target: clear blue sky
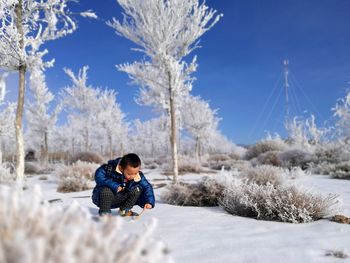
239, 63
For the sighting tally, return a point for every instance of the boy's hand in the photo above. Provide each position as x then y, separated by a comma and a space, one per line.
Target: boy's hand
119, 189
148, 206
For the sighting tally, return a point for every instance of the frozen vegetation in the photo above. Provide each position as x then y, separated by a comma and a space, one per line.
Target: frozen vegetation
198, 215
272, 201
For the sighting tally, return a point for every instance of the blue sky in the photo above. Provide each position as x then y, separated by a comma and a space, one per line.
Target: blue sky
240, 61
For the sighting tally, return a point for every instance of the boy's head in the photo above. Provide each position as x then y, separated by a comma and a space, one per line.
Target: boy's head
130, 165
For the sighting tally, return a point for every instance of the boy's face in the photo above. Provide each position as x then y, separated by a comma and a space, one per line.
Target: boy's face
130, 172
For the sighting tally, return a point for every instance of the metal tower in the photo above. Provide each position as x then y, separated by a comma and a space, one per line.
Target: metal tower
286, 87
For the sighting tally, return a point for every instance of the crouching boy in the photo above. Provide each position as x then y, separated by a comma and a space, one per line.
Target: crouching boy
120, 183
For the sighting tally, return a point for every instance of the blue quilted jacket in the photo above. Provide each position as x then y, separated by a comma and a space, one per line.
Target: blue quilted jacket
107, 176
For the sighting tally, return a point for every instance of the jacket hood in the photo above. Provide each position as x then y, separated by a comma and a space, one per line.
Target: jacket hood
114, 162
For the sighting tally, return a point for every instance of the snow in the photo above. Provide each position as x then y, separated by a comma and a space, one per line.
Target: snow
200, 234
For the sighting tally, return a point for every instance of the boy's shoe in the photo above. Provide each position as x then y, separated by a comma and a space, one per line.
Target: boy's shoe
105, 213
127, 213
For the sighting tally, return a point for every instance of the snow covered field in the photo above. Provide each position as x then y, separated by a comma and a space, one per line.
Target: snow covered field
199, 234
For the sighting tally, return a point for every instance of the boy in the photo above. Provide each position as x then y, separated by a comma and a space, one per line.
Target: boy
120, 183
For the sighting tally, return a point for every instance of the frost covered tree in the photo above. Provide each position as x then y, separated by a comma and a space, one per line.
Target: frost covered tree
39, 118
218, 143
3, 86
111, 121
7, 118
342, 112
166, 31
304, 133
94, 116
150, 137
80, 101
25, 25
200, 121
65, 138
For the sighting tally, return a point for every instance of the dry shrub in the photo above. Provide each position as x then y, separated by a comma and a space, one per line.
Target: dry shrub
341, 219
341, 171
58, 156
265, 174
270, 158
204, 193
241, 165
295, 157
335, 170
89, 157
282, 203
297, 172
334, 152
337, 254
230, 164
31, 168
188, 165
218, 158
43, 177
6, 176
323, 168
263, 147
151, 166
76, 177
188, 168
42, 233
234, 156
158, 160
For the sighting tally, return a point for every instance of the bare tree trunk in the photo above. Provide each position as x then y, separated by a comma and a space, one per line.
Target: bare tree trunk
110, 147
121, 149
72, 146
46, 148
87, 140
173, 132
2, 151
198, 156
20, 103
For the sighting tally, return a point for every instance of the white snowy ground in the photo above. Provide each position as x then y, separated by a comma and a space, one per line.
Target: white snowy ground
197, 234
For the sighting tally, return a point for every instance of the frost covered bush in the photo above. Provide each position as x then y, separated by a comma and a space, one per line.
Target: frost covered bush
217, 161
241, 165
155, 162
296, 172
76, 177
59, 156
89, 157
282, 203
204, 193
323, 168
230, 164
269, 158
43, 177
333, 152
40, 233
293, 158
188, 165
265, 174
6, 177
263, 147
218, 158
341, 171
31, 168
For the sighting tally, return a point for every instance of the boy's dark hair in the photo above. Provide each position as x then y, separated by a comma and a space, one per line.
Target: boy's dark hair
130, 159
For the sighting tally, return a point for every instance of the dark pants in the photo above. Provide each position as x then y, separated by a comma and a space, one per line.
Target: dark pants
125, 200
